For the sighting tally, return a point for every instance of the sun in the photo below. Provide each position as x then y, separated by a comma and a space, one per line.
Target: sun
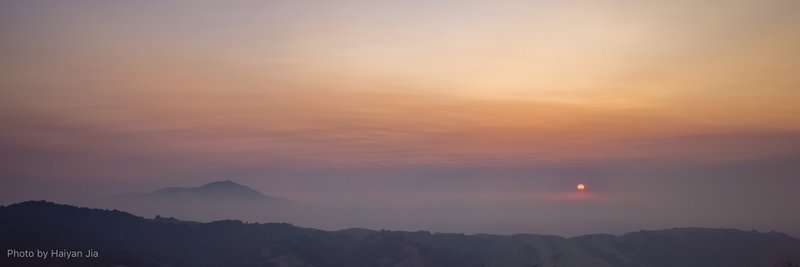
580, 187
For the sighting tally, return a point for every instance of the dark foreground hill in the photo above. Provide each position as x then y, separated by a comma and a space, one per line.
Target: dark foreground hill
121, 239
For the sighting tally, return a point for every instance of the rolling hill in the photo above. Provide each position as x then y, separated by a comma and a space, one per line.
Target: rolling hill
122, 239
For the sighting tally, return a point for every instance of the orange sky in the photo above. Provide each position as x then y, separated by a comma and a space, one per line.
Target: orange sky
398, 83
517, 96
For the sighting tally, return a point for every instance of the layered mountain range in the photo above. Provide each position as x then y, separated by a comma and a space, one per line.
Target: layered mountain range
122, 239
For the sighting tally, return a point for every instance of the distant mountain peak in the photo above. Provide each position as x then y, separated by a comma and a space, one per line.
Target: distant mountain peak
230, 187
225, 184
205, 202
222, 183
224, 189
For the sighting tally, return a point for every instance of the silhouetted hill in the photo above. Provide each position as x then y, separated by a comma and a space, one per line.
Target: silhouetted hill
220, 190
213, 201
126, 240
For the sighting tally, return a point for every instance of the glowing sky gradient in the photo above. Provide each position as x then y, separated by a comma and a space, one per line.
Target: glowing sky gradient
479, 101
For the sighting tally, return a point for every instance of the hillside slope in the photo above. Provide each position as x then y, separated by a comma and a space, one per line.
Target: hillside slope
127, 240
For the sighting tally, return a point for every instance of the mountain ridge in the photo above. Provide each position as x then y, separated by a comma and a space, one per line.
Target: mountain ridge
223, 189
212, 201
132, 240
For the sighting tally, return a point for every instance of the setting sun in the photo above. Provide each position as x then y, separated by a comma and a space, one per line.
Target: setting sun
581, 187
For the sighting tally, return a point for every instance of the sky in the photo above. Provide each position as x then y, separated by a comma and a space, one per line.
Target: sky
454, 116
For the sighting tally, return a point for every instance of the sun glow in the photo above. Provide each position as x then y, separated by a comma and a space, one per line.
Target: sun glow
581, 187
